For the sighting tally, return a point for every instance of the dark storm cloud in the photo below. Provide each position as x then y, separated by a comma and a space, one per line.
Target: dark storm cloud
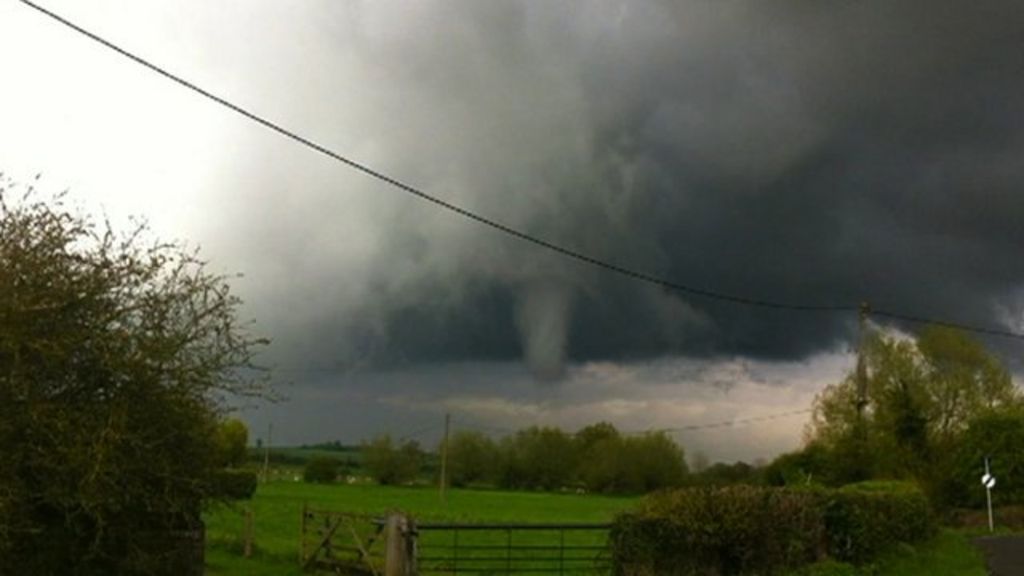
817, 153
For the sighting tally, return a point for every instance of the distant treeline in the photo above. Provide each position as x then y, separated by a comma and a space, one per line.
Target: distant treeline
597, 458
332, 446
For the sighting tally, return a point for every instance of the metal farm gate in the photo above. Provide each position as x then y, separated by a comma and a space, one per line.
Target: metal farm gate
399, 546
564, 549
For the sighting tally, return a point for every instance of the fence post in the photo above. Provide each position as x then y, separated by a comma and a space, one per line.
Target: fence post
249, 528
302, 535
400, 539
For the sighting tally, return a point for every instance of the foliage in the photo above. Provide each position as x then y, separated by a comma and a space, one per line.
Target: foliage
762, 530
232, 442
113, 354
922, 395
863, 520
812, 465
999, 435
827, 568
722, 474
538, 458
471, 458
730, 530
392, 464
234, 484
321, 469
597, 458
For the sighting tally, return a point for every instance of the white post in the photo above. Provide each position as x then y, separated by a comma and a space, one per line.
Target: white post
989, 481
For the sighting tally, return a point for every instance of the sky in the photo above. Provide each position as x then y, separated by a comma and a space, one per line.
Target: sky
825, 153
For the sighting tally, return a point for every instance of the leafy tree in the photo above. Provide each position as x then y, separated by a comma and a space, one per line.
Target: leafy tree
811, 465
650, 462
471, 458
921, 395
115, 354
392, 464
321, 470
233, 440
539, 458
963, 378
722, 474
600, 457
999, 435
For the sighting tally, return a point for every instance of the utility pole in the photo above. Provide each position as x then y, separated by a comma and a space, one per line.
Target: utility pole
862, 369
266, 452
860, 434
444, 456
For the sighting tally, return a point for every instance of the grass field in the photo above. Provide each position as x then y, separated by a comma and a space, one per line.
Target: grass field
277, 509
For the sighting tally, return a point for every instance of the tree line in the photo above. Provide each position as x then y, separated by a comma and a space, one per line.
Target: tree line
937, 403
597, 458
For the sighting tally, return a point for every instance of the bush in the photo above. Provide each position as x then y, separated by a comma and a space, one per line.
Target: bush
321, 470
999, 435
233, 484
762, 530
732, 530
118, 352
864, 519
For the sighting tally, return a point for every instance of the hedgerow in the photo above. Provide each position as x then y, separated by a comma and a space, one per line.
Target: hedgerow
760, 530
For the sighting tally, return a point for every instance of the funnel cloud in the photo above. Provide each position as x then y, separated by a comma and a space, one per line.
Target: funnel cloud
813, 153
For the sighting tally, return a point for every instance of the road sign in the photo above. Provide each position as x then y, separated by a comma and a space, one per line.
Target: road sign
989, 482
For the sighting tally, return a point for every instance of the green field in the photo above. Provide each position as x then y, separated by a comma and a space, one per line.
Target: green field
277, 510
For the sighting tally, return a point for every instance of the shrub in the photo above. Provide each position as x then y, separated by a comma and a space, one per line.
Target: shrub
732, 530
864, 519
999, 435
118, 352
763, 530
321, 470
233, 484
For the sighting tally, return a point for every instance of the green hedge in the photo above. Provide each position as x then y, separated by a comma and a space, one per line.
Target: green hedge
730, 530
322, 470
864, 519
233, 484
762, 530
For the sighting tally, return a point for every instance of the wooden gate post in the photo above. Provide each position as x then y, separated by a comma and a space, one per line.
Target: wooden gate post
400, 536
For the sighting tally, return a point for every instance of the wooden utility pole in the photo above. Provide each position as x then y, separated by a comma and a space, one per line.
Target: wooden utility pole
860, 434
444, 456
862, 369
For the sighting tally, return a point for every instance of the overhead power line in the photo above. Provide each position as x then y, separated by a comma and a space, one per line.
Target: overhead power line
494, 224
708, 425
739, 422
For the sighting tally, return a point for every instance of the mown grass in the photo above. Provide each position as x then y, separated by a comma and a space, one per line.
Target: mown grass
277, 509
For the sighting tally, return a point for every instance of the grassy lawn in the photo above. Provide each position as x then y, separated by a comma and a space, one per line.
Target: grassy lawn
950, 553
277, 508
